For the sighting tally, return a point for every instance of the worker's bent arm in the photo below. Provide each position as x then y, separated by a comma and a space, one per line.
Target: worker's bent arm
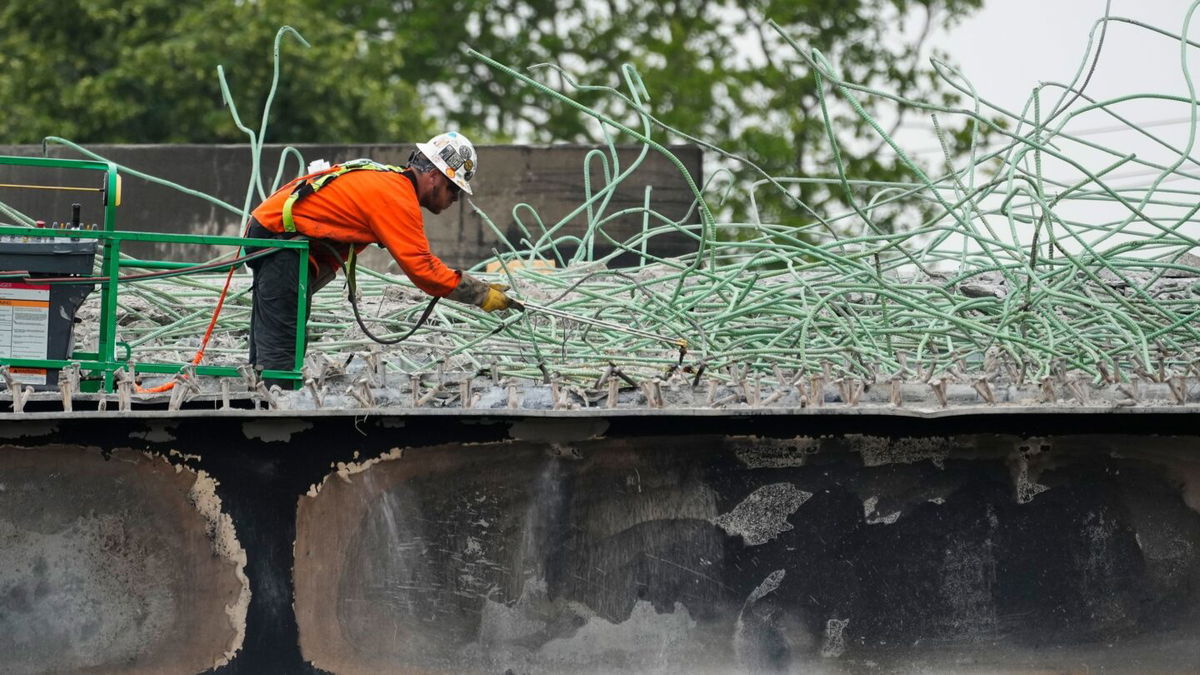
398, 225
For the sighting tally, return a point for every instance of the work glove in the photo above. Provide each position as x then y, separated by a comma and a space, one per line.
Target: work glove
495, 298
488, 297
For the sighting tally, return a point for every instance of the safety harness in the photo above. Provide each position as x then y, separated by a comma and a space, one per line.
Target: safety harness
310, 185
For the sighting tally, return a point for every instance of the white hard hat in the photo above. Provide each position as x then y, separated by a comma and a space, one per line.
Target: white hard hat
453, 154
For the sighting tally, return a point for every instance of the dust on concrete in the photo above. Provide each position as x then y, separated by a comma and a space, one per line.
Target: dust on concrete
81, 600
1024, 475
780, 453
763, 515
645, 642
1178, 456
504, 624
110, 564
873, 517
968, 573
878, 450
773, 453
768, 636
834, 644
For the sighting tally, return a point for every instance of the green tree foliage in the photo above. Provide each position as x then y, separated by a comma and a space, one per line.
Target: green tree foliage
714, 69
144, 71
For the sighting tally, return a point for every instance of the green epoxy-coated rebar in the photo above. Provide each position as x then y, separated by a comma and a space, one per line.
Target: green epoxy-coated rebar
997, 276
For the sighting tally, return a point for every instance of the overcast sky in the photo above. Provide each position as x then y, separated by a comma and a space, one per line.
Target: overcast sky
1011, 45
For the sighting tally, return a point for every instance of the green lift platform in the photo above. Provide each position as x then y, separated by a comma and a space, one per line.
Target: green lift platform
98, 369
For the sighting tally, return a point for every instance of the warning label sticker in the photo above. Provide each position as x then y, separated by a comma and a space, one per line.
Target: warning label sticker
24, 327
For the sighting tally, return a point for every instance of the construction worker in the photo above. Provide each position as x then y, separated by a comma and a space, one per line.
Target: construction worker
341, 210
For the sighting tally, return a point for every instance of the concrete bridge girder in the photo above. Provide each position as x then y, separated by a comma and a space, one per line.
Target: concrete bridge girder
647, 542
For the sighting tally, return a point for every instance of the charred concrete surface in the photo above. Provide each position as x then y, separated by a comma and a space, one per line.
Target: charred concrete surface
685, 554
113, 562
672, 542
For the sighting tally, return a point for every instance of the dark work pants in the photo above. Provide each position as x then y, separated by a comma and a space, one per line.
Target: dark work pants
273, 314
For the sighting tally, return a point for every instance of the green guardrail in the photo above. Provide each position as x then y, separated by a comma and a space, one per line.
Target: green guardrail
103, 364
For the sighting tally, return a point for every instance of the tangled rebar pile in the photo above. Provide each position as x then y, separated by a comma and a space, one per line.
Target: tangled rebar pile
1001, 283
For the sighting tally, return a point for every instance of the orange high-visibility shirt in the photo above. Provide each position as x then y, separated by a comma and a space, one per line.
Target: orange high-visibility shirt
367, 207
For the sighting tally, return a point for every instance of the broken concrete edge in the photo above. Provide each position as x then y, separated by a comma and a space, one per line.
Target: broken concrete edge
188, 498
611, 413
223, 538
344, 470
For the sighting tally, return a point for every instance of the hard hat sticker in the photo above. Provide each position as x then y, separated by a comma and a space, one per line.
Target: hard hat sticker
451, 157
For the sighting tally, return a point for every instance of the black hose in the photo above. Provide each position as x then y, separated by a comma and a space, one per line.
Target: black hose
354, 302
90, 281
391, 341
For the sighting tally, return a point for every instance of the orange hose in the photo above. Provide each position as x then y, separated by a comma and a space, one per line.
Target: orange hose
203, 343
